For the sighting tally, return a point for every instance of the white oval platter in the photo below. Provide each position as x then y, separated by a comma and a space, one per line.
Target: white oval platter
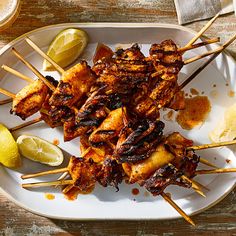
106, 203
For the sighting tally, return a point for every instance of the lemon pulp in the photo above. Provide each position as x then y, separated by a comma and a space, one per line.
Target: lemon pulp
39, 150
66, 48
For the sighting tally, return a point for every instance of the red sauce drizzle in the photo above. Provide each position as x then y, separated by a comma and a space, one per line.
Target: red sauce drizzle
135, 191
49, 196
194, 91
55, 141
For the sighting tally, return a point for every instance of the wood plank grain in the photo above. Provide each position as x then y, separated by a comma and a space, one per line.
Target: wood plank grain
216, 220
219, 220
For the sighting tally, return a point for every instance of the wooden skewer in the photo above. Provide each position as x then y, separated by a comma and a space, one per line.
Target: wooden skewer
34, 121
33, 69
63, 176
177, 208
194, 185
7, 93
200, 185
17, 73
206, 162
196, 72
47, 184
215, 171
206, 42
5, 101
212, 145
38, 74
48, 172
198, 57
67, 188
44, 55
199, 34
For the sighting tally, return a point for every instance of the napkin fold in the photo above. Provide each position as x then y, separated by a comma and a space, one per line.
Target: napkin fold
194, 10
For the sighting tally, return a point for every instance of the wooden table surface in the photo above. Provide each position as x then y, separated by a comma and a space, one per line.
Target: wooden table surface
219, 220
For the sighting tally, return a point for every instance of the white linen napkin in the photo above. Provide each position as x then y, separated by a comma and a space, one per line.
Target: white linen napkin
193, 10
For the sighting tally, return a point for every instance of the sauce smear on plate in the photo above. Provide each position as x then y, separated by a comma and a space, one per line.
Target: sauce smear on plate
135, 191
195, 112
49, 196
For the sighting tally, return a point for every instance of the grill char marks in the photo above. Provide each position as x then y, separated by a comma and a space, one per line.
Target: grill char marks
159, 89
163, 177
123, 72
108, 129
168, 175
167, 62
74, 84
140, 142
111, 173
184, 163
74, 128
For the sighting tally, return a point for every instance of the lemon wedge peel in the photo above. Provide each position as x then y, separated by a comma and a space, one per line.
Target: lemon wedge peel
9, 153
66, 47
39, 150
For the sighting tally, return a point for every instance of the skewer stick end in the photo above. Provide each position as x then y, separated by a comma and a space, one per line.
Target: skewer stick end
177, 208
200, 192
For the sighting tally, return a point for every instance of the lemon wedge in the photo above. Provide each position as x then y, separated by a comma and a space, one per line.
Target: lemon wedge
9, 155
66, 48
39, 150
225, 129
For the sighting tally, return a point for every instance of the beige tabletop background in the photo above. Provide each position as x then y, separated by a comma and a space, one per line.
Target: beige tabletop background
219, 220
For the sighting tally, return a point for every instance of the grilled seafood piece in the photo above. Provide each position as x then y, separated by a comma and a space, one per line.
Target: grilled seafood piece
124, 71
56, 116
162, 84
177, 102
84, 173
30, 99
102, 52
73, 85
96, 165
172, 150
130, 54
168, 175
111, 173
136, 144
108, 129
74, 128
167, 62
142, 105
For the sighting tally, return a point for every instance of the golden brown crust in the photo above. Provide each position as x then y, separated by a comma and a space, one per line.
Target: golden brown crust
108, 129
74, 84
30, 99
